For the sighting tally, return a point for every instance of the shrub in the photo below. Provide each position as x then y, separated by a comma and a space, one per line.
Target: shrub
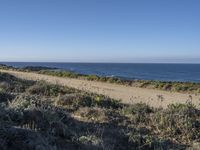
5, 97
93, 77
139, 108
42, 88
90, 140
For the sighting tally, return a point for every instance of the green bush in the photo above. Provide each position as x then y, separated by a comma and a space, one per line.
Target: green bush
139, 108
42, 88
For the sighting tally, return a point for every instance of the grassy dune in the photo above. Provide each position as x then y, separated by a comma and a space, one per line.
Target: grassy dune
38, 115
188, 87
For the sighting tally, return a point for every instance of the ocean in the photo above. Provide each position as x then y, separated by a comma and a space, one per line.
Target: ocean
162, 72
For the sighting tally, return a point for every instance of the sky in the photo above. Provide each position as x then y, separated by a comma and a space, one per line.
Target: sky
100, 31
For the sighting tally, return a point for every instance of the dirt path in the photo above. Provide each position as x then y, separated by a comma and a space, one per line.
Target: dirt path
155, 98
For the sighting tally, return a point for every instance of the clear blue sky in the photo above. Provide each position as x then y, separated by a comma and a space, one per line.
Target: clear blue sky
100, 30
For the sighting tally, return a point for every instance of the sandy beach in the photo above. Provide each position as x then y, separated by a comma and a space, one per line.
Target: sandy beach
155, 98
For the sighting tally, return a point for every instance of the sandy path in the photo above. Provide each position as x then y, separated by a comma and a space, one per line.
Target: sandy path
121, 92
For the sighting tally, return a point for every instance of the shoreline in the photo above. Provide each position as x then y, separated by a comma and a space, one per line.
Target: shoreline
127, 94
173, 86
31, 66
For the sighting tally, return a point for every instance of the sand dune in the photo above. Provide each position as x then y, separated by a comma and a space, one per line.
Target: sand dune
126, 94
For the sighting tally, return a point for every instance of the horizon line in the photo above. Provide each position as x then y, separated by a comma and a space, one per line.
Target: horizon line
101, 62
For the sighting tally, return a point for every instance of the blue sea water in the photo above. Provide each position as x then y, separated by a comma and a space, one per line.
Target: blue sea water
163, 72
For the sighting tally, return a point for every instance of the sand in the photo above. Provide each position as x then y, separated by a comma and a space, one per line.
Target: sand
127, 94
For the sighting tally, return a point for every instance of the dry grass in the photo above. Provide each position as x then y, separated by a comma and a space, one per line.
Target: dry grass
45, 116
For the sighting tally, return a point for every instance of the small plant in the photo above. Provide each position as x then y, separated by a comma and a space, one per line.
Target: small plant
139, 108
90, 140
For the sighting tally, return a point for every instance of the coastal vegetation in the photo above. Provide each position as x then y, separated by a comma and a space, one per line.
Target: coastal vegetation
38, 115
184, 87
188, 87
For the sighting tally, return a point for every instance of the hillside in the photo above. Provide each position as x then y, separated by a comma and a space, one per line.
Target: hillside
39, 115
127, 94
